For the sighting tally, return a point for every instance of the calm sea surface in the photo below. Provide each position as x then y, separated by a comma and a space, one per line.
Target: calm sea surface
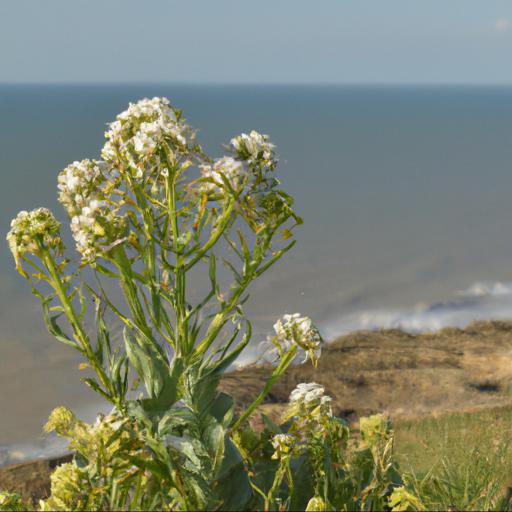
406, 196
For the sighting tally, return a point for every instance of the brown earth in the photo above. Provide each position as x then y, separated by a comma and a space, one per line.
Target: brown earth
30, 479
403, 375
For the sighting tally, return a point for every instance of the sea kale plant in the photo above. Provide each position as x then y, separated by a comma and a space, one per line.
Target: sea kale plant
154, 215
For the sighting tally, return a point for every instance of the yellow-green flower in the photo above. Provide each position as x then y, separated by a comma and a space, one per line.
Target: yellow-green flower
316, 504
31, 232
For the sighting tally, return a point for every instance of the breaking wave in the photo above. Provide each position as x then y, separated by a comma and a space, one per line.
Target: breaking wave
481, 301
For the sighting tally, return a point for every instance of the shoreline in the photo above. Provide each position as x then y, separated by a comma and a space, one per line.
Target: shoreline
403, 375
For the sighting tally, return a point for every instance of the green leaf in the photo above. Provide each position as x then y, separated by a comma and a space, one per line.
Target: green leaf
160, 379
214, 439
156, 303
188, 447
221, 406
105, 271
54, 328
270, 425
93, 384
303, 483
232, 487
286, 234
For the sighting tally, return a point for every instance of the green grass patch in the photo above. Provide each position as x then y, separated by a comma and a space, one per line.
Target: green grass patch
460, 460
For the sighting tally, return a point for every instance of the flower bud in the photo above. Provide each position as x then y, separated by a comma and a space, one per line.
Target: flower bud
61, 420
283, 445
33, 231
374, 429
316, 504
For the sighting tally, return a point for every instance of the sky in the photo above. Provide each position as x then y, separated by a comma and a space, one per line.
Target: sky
265, 41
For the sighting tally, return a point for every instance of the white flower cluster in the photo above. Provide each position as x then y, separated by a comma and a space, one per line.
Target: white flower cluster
77, 183
138, 132
94, 223
86, 229
225, 168
283, 445
31, 229
252, 156
296, 330
309, 399
311, 414
311, 411
254, 148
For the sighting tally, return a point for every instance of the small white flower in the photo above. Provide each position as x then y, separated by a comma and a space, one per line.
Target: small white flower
310, 411
109, 152
146, 139
306, 389
313, 395
283, 444
295, 330
227, 168
77, 181
255, 148
309, 404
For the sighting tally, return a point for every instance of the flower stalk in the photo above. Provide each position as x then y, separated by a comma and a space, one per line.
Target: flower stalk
155, 210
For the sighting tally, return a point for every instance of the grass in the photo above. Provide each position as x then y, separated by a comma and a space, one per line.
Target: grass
459, 461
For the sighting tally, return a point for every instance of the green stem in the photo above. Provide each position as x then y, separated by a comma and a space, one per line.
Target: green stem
72, 316
283, 365
130, 290
182, 338
148, 251
290, 481
220, 318
219, 230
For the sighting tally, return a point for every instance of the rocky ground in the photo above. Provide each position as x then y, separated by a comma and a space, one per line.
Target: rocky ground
403, 375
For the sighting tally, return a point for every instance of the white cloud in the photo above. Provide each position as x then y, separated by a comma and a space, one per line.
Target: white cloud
502, 25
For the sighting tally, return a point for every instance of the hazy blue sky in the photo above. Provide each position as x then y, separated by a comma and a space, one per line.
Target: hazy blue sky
265, 41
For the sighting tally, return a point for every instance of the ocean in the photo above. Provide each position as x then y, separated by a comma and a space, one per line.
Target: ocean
405, 193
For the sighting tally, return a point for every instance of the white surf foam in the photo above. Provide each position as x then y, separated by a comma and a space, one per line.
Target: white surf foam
481, 301
50, 446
